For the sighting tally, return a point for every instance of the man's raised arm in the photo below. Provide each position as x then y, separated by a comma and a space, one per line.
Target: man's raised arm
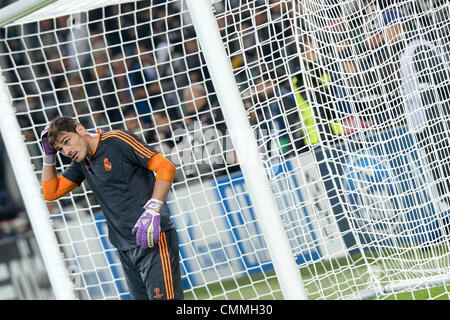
53, 186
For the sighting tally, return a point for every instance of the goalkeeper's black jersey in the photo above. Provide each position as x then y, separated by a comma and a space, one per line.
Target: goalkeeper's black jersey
117, 174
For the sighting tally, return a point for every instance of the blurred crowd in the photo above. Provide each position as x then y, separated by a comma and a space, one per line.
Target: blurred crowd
131, 67
11, 213
13, 219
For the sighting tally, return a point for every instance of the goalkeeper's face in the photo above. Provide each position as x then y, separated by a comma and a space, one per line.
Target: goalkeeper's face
73, 144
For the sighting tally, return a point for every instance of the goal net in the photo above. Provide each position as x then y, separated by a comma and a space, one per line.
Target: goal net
349, 102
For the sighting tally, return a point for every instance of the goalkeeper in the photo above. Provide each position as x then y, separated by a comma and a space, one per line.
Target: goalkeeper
120, 169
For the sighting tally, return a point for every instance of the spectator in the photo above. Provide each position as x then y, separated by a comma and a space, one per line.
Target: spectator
145, 72
272, 31
278, 113
164, 132
140, 79
119, 69
342, 113
199, 141
318, 90
73, 34
256, 118
413, 81
195, 106
102, 93
56, 67
35, 108
193, 57
164, 138
386, 39
138, 127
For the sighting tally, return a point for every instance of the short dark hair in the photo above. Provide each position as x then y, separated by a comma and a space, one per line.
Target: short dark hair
58, 125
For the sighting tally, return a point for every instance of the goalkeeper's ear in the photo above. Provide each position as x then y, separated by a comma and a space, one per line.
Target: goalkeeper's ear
81, 130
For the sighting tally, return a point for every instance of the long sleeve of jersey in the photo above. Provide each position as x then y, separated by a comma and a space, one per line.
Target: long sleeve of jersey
163, 168
57, 187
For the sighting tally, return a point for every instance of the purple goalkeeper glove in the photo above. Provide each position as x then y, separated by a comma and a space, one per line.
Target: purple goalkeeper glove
50, 152
147, 227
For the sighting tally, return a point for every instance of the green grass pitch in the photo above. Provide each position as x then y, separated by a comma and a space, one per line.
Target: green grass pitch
328, 284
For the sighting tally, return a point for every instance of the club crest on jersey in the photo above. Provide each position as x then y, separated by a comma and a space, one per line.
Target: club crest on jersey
107, 164
158, 294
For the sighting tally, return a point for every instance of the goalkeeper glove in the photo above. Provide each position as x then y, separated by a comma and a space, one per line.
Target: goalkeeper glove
50, 152
147, 227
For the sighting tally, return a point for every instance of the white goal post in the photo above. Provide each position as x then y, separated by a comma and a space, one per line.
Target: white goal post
34, 204
19, 9
247, 149
311, 139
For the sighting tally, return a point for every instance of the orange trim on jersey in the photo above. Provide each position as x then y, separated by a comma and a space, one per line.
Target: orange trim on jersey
57, 187
138, 146
163, 168
98, 140
167, 268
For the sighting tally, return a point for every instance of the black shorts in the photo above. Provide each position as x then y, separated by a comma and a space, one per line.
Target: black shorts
154, 273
